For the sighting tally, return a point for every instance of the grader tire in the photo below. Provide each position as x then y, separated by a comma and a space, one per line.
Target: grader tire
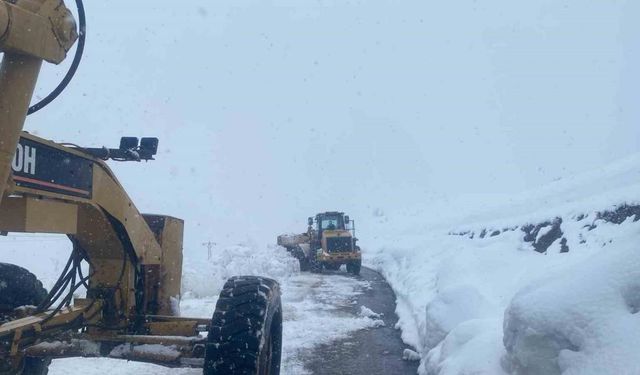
36, 366
19, 287
245, 337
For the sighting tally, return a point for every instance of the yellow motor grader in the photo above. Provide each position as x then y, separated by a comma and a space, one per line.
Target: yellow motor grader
129, 263
330, 244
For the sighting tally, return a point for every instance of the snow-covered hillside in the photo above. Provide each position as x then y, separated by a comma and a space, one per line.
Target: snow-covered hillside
544, 283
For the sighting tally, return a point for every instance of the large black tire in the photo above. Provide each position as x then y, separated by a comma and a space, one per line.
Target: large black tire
19, 287
332, 267
36, 366
298, 253
354, 267
314, 265
246, 330
304, 264
29, 366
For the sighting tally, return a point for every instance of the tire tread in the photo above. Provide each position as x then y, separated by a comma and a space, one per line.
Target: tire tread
241, 319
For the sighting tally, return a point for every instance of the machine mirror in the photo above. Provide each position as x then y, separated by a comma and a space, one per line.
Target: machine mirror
346, 220
128, 143
310, 221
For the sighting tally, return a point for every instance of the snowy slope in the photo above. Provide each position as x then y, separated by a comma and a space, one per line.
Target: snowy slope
476, 297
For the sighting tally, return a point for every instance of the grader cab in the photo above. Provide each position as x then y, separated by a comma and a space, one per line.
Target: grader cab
129, 263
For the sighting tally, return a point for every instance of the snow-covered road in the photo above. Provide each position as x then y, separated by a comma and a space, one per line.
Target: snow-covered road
316, 311
318, 308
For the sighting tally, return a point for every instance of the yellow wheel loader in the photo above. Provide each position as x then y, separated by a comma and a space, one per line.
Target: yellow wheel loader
129, 263
328, 244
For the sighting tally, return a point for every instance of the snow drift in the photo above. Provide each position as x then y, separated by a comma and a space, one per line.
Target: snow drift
544, 283
583, 320
205, 277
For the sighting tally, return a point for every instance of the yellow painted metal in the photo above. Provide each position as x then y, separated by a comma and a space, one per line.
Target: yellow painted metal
167, 318
106, 224
169, 232
149, 339
4, 19
25, 214
186, 328
157, 250
108, 195
339, 257
339, 233
18, 75
42, 323
336, 233
30, 31
42, 29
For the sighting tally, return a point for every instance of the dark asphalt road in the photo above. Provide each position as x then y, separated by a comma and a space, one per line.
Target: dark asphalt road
367, 352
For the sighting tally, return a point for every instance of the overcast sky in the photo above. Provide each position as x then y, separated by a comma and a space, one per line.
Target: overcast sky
268, 111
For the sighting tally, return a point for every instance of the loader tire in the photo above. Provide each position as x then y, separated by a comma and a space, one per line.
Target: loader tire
354, 267
314, 265
298, 253
332, 267
304, 264
19, 287
245, 337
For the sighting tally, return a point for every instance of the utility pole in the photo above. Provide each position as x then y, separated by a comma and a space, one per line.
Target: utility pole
209, 246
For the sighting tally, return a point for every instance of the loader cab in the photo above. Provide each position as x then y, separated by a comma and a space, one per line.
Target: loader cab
330, 224
330, 221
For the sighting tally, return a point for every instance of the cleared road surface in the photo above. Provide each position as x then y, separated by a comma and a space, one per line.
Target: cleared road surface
367, 351
326, 330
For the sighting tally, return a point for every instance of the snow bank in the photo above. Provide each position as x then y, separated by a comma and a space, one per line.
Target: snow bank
583, 320
544, 283
206, 277
451, 307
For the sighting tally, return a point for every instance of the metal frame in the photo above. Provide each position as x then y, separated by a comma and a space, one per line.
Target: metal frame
135, 259
318, 239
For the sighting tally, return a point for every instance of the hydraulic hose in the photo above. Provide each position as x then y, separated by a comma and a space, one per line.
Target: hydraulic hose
74, 64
